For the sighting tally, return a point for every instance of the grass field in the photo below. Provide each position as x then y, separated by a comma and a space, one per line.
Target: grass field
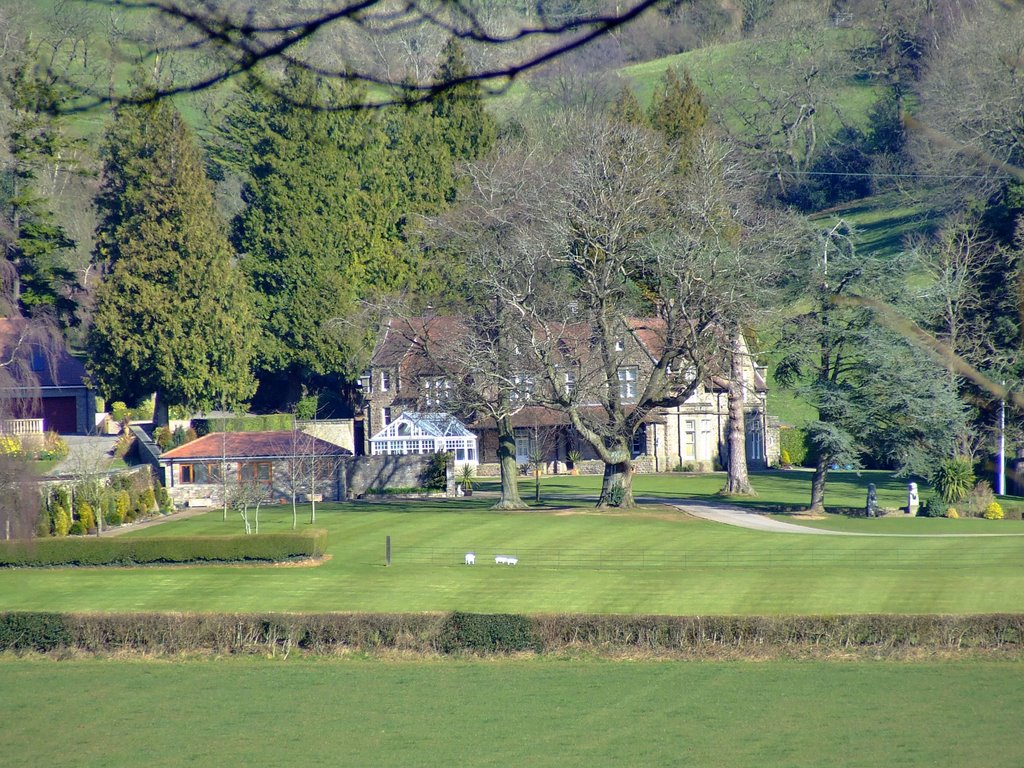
510, 712
657, 560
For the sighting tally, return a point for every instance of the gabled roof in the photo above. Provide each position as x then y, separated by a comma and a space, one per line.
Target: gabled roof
59, 369
425, 425
254, 445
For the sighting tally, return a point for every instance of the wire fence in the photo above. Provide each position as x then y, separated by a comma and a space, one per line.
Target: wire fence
619, 559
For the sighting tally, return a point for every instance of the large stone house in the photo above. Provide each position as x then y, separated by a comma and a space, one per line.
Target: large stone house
402, 378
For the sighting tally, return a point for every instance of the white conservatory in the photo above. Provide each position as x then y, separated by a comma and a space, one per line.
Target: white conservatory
426, 433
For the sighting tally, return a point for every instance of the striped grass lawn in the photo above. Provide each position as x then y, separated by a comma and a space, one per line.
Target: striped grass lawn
546, 712
572, 559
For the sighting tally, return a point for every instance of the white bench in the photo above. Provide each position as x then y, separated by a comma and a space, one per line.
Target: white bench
506, 560
200, 503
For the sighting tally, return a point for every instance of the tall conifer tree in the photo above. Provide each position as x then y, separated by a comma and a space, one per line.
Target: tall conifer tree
679, 112
466, 126
173, 312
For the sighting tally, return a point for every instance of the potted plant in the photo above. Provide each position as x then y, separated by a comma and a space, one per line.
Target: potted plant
574, 458
466, 479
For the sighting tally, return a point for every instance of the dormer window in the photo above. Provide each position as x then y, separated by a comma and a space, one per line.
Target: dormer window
38, 360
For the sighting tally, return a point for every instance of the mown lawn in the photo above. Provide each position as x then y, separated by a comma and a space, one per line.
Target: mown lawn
572, 559
510, 712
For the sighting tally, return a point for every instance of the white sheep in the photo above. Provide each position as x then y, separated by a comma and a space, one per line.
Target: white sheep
506, 560
470, 558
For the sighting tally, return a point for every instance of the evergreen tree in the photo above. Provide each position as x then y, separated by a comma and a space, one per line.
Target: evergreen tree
626, 109
330, 192
467, 128
319, 222
173, 312
34, 242
679, 112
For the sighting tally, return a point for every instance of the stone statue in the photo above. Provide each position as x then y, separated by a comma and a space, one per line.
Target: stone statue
871, 509
913, 501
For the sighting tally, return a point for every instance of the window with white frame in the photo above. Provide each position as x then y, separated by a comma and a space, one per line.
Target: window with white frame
522, 388
690, 440
619, 345
385, 416
385, 381
627, 382
569, 385
436, 391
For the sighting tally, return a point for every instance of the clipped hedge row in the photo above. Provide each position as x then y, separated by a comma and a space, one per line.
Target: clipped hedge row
273, 547
456, 633
269, 422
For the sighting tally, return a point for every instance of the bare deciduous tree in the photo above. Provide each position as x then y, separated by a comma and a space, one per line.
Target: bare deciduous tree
224, 38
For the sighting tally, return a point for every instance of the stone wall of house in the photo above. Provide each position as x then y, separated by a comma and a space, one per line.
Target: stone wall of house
360, 473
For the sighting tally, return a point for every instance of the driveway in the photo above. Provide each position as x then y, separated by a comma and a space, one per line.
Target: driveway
91, 453
743, 518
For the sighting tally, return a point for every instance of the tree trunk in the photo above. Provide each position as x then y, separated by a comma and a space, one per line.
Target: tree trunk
738, 483
510, 498
161, 417
818, 485
617, 475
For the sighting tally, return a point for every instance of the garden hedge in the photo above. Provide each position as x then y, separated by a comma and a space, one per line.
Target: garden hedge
459, 633
91, 550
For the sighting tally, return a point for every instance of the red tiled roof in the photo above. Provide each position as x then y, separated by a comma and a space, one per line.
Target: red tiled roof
254, 445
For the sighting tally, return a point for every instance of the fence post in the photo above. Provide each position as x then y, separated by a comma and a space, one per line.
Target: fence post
387, 551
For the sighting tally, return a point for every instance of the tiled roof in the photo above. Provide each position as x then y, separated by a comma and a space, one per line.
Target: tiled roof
254, 445
62, 371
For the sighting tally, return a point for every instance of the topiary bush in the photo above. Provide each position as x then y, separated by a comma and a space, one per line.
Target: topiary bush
797, 445
993, 511
954, 480
86, 515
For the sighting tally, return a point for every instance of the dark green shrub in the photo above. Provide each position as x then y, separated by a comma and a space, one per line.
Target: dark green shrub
497, 632
77, 529
163, 500
162, 437
33, 632
933, 508
435, 475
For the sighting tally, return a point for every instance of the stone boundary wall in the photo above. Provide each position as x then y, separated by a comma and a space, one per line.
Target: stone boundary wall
641, 464
364, 472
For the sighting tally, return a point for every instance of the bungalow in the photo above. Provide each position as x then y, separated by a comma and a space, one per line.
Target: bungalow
274, 464
402, 379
